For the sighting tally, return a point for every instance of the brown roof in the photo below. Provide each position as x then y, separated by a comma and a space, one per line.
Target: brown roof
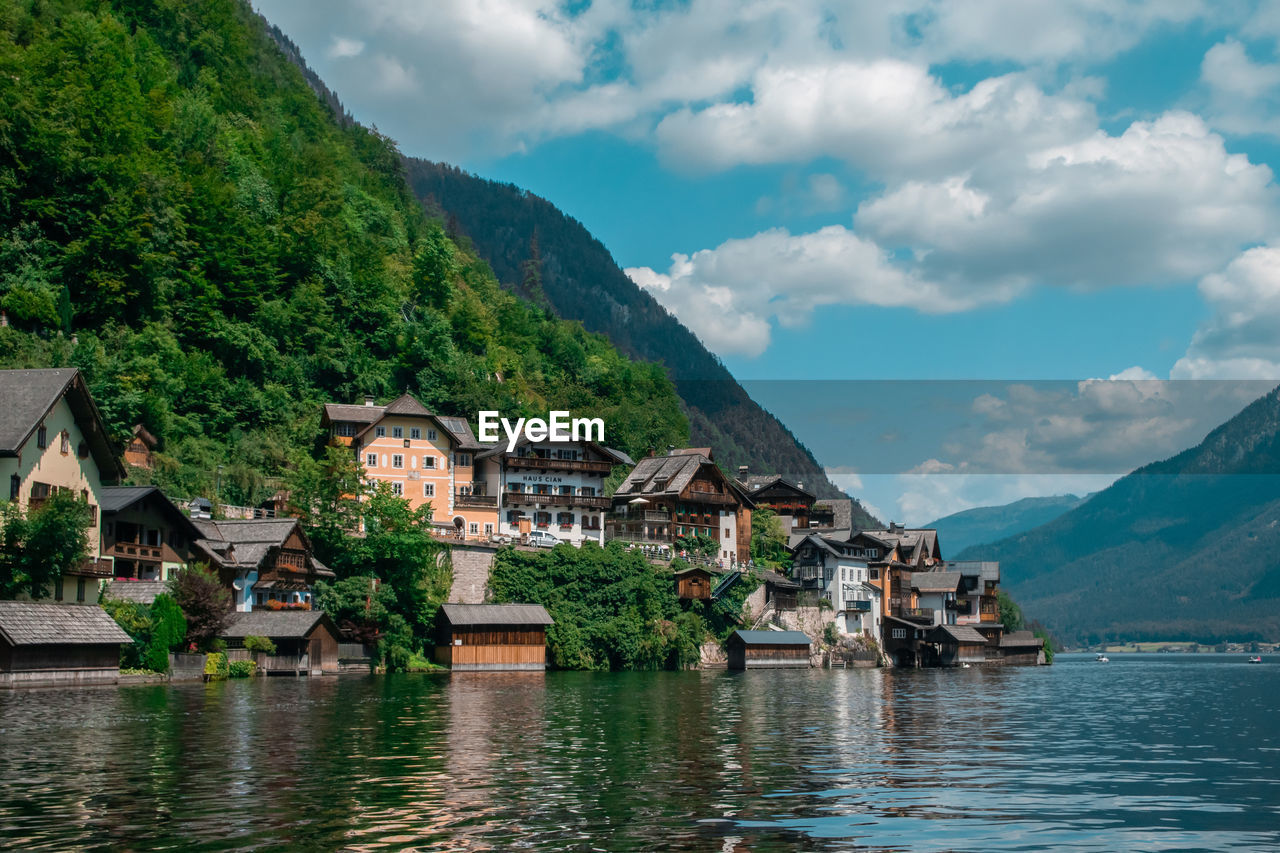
935, 581
407, 404
25, 623
245, 542
1021, 639
670, 475
357, 413
956, 634
496, 614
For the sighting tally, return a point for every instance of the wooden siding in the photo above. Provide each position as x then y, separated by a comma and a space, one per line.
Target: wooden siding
488, 647
742, 656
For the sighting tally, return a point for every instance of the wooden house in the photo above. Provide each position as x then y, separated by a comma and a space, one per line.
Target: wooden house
306, 641
767, 650
953, 645
140, 449
1021, 648
265, 562
791, 502
144, 535
492, 637
695, 584
680, 496
52, 644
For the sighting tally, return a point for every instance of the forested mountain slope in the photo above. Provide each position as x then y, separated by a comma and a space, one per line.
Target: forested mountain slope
1186, 548
984, 524
546, 256
222, 252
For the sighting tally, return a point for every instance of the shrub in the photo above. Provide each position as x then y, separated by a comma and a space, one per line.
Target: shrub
216, 667
829, 634
242, 668
259, 644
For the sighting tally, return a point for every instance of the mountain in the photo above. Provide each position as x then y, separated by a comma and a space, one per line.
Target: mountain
1187, 548
544, 255
984, 524
221, 252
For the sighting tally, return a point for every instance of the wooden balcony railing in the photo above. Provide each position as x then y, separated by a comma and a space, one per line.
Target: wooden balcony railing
915, 614
538, 463
472, 499
585, 501
94, 569
134, 551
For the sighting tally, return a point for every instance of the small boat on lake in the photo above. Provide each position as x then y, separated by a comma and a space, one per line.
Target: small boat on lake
1256, 659
1101, 658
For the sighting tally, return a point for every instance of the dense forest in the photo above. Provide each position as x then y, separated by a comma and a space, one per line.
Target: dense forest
222, 252
547, 257
1182, 549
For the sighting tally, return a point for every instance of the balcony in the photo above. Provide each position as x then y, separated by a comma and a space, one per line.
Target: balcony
858, 605
462, 498
538, 463
920, 615
94, 569
134, 551
584, 501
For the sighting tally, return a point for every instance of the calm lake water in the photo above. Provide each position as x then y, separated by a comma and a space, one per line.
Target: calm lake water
1147, 752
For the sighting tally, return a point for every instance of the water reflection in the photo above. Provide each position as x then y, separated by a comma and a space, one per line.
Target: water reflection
1142, 754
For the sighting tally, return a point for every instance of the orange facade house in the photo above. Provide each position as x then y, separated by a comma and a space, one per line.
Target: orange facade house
424, 457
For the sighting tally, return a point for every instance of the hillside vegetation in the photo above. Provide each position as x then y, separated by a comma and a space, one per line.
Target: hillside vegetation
550, 258
984, 524
1183, 549
184, 219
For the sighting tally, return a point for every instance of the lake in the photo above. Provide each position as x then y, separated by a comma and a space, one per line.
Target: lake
1147, 752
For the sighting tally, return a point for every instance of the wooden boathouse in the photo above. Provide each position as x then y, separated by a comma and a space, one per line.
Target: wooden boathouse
767, 650
306, 641
492, 637
48, 644
694, 584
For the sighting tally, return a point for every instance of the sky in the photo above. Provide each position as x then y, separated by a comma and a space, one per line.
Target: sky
1013, 191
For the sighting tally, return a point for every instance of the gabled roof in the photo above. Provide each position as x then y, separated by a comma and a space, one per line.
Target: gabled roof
777, 581
955, 634
500, 449
463, 437
830, 544
771, 638
1021, 640
841, 512
669, 476
757, 483
275, 624
352, 413
407, 404
496, 614
243, 543
25, 623
27, 397
118, 498
935, 581
143, 592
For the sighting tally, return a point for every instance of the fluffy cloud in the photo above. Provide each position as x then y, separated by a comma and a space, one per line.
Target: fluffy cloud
888, 116
1242, 94
729, 294
1240, 340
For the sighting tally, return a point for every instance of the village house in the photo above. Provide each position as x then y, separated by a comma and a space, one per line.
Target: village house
694, 583
553, 486
140, 451
58, 644
306, 641
828, 569
492, 637
424, 458
936, 594
144, 536
52, 439
267, 563
790, 502
679, 496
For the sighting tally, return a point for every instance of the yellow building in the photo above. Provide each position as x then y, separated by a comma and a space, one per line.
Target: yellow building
52, 439
426, 458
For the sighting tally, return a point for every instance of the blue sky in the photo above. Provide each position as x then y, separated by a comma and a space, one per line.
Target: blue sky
909, 190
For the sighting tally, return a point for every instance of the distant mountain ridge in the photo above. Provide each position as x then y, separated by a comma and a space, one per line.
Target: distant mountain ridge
1185, 548
985, 524
546, 256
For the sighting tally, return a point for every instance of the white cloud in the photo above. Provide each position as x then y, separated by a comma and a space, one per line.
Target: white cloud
345, 48
728, 295
1136, 372
1240, 340
1242, 94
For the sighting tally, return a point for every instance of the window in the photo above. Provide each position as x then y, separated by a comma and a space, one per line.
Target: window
564, 519
346, 428
65, 442
397, 432
15, 487
42, 437
379, 432
488, 528
428, 462
431, 435
899, 633
474, 528
726, 533
80, 590
843, 575
397, 488
397, 460
428, 490
371, 460
588, 491
415, 433
57, 589
83, 451
262, 599
464, 459
874, 573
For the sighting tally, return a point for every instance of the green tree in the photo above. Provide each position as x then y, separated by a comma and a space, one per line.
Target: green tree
361, 606
768, 539
1010, 613
205, 603
39, 547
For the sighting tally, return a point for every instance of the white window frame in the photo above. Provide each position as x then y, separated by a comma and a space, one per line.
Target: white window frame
380, 432
415, 433
431, 435
428, 490
397, 432
397, 488
428, 463
397, 460
371, 460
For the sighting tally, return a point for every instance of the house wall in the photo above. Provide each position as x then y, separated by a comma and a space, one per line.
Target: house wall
554, 480
742, 656
322, 650
937, 602
67, 470
493, 648
172, 557
30, 666
414, 472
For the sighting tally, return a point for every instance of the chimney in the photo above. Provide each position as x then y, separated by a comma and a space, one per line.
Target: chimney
742, 472
671, 450
368, 399
800, 485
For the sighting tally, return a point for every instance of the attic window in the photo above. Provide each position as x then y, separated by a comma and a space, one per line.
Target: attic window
65, 445
83, 451
42, 437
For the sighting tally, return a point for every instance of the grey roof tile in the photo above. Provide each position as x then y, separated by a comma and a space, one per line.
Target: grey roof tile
496, 614
25, 623
273, 624
143, 592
